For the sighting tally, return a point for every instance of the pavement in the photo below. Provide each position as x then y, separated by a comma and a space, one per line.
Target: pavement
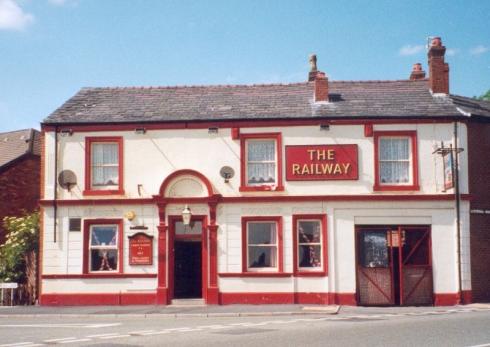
203, 311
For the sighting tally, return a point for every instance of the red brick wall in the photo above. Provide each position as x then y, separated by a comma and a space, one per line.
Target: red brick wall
479, 185
19, 189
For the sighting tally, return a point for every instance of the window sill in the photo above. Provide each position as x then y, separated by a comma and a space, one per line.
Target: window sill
378, 187
255, 274
99, 275
103, 192
261, 188
310, 274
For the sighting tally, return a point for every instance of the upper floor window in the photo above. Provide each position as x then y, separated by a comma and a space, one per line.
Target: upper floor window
261, 162
103, 166
262, 244
396, 160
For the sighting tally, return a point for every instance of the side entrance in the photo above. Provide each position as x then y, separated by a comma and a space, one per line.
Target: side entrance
394, 265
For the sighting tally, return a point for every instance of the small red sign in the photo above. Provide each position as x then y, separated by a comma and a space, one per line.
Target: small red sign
321, 162
140, 249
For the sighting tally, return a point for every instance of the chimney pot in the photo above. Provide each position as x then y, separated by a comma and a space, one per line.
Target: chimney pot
417, 72
313, 68
436, 41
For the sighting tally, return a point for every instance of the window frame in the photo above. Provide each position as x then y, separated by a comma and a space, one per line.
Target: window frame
89, 189
280, 261
244, 186
87, 225
412, 137
304, 272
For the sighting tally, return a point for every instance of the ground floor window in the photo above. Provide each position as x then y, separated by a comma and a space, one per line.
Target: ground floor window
310, 249
103, 246
262, 244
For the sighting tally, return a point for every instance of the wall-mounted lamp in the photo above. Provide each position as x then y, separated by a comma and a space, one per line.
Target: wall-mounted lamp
213, 130
66, 132
186, 215
140, 131
325, 127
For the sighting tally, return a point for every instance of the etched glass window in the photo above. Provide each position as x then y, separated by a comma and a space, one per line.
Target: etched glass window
103, 248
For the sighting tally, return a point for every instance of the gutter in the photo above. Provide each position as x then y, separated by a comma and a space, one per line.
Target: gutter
458, 210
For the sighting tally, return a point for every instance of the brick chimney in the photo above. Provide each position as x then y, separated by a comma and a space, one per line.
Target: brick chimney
438, 69
417, 72
321, 87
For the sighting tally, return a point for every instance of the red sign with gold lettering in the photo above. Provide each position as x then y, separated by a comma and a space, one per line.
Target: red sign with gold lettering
140, 249
321, 162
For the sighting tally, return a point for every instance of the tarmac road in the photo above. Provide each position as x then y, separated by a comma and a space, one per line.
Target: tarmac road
456, 327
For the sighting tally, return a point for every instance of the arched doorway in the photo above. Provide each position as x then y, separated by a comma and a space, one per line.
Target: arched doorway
187, 254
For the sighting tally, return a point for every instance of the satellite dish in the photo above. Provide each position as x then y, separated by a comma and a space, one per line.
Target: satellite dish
67, 179
227, 172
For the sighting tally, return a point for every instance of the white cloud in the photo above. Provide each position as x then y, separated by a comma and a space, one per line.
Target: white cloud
57, 2
13, 17
452, 52
480, 49
411, 50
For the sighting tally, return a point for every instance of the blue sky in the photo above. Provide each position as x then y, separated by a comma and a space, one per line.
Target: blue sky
49, 49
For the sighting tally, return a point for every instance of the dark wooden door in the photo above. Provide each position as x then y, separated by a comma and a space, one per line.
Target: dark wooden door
187, 269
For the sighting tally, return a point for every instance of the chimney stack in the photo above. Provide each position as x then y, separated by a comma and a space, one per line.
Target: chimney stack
438, 69
321, 87
320, 79
417, 72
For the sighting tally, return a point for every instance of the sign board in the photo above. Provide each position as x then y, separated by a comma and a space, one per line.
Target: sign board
321, 162
9, 285
448, 170
140, 249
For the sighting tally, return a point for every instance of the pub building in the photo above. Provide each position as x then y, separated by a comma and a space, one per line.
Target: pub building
318, 192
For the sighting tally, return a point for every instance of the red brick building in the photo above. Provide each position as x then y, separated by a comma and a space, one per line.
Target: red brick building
19, 173
479, 186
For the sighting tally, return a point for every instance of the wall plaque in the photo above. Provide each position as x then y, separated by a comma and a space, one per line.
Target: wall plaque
140, 249
321, 162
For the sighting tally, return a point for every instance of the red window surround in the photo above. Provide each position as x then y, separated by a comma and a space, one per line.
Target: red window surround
414, 185
323, 271
86, 239
280, 265
243, 162
88, 166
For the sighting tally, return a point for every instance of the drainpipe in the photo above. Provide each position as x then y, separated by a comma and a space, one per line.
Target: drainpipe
458, 209
55, 205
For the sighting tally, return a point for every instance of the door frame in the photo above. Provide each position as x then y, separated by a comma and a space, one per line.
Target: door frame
389, 230
172, 237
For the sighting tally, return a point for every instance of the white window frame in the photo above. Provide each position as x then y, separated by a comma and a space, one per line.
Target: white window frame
276, 245
95, 186
410, 161
105, 247
320, 243
275, 161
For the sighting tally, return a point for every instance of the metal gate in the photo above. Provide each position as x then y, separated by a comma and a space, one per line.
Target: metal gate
394, 265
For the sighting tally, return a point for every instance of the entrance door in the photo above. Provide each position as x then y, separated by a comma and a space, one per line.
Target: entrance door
187, 270
187, 258
394, 266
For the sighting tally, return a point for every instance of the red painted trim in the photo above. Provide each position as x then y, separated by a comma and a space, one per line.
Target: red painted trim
288, 298
280, 260
96, 202
415, 163
235, 133
243, 162
446, 299
98, 276
323, 222
467, 297
88, 166
261, 199
244, 123
85, 299
346, 299
186, 172
255, 274
86, 238
368, 130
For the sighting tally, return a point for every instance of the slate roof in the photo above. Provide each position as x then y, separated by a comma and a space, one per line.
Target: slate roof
349, 99
15, 144
473, 106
